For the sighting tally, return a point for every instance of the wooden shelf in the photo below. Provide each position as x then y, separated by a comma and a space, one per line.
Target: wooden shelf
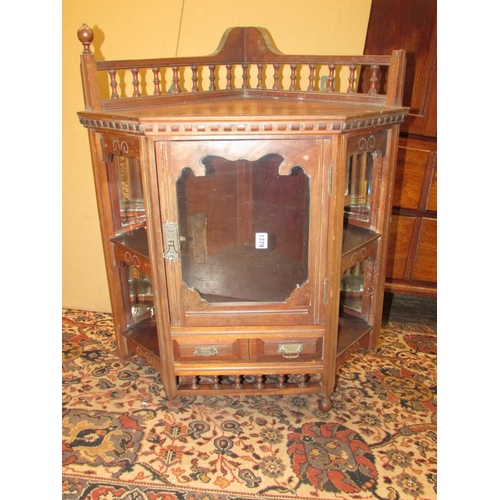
358, 243
353, 336
135, 240
209, 390
355, 237
245, 274
132, 248
142, 339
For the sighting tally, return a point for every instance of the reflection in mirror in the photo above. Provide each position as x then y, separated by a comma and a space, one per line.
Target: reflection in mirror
358, 188
351, 288
244, 229
130, 193
140, 294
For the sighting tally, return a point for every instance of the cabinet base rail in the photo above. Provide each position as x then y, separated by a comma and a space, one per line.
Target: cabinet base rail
253, 385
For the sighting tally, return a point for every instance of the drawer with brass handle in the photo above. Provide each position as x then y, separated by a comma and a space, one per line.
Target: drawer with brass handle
300, 349
210, 349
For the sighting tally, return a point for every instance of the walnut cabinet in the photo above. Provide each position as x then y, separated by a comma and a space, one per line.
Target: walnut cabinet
244, 200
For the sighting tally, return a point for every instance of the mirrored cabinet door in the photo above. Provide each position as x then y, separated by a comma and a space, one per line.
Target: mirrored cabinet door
245, 226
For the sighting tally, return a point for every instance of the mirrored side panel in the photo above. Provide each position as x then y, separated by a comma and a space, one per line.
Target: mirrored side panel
364, 168
352, 288
130, 193
358, 189
137, 295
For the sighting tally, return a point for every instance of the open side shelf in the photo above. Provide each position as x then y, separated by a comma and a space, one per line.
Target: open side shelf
355, 237
353, 336
135, 240
132, 249
142, 340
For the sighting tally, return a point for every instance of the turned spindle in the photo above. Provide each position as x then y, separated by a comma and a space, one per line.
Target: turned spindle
193, 382
293, 77
373, 79
312, 72
302, 381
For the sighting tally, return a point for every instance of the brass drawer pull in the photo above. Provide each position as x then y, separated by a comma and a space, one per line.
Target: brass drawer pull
290, 351
206, 351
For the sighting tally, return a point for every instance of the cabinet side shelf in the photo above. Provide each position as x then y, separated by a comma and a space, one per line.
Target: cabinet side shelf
135, 240
354, 335
355, 237
131, 248
142, 340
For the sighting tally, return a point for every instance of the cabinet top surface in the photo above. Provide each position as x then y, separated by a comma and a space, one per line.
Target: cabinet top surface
245, 110
248, 108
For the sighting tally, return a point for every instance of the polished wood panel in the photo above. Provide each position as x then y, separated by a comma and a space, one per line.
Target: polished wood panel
412, 25
409, 176
400, 238
424, 268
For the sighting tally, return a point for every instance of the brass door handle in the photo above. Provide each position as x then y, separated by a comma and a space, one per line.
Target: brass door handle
172, 245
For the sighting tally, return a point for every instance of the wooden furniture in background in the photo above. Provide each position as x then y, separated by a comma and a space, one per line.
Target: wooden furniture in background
244, 201
412, 255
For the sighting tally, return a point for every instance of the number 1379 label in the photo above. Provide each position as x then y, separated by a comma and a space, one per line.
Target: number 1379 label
261, 240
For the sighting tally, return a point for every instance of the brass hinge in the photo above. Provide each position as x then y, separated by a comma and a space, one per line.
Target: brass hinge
325, 291
330, 180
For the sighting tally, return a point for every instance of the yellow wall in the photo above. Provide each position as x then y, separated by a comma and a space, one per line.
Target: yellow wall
128, 29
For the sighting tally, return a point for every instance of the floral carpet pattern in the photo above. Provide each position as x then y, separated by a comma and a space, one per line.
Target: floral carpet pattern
122, 439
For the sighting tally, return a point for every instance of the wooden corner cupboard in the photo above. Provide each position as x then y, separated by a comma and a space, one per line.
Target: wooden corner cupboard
244, 200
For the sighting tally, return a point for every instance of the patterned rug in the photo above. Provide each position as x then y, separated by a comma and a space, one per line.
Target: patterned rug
123, 440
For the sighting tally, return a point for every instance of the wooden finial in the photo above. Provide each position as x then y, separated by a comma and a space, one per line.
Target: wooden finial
86, 35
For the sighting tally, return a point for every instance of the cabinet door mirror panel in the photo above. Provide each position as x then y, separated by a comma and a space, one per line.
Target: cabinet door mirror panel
244, 229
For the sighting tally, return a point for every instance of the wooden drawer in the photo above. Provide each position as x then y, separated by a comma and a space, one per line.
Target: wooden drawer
286, 349
210, 349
